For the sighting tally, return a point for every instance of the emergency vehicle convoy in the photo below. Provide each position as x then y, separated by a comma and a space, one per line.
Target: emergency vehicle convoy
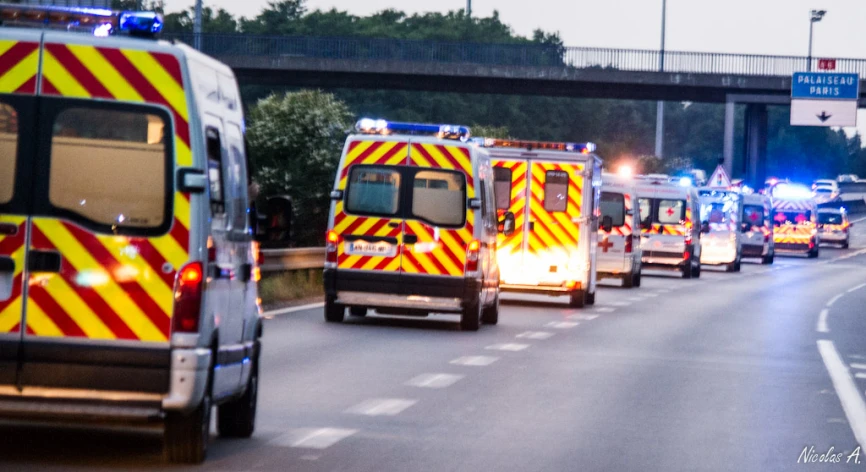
127, 273
619, 252
795, 219
552, 192
758, 239
413, 225
670, 232
722, 211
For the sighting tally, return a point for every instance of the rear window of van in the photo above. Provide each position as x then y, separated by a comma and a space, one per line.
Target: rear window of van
613, 205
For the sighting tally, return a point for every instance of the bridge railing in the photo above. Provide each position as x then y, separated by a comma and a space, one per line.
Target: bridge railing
526, 55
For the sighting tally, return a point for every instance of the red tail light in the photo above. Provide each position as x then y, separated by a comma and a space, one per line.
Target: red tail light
260, 256
629, 244
766, 238
187, 298
332, 240
472, 250
686, 255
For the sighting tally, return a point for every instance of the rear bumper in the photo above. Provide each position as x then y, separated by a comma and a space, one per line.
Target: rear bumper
613, 270
834, 237
712, 255
554, 290
755, 250
663, 259
413, 292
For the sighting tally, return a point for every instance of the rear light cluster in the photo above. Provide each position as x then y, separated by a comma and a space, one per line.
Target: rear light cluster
332, 241
188, 289
629, 243
472, 255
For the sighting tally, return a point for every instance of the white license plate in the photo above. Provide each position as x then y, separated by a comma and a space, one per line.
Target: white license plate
364, 248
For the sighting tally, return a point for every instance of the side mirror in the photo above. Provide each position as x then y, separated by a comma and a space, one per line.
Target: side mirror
607, 224
745, 227
507, 225
475, 203
336, 195
705, 227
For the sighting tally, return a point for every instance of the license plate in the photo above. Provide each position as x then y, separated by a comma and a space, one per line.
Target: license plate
364, 248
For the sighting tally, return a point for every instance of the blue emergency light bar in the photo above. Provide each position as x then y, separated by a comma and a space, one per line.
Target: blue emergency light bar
96, 21
583, 148
383, 127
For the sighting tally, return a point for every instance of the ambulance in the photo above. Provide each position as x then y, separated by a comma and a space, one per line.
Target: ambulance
795, 220
127, 270
619, 253
722, 211
552, 191
758, 240
412, 227
670, 232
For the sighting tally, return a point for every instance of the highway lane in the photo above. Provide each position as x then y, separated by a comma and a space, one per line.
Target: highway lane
720, 373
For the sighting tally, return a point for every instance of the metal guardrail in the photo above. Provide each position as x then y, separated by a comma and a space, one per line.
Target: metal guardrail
518, 54
293, 259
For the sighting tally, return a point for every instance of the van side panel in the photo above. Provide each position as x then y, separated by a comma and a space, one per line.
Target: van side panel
510, 248
440, 251
19, 64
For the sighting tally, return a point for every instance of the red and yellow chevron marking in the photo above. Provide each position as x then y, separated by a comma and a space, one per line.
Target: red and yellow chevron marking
793, 205
555, 234
378, 153
14, 247
510, 245
19, 66
794, 234
667, 230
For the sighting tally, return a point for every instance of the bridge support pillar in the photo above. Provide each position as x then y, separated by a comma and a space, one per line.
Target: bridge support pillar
755, 162
730, 120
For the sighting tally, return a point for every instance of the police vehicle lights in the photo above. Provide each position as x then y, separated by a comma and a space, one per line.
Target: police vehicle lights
96, 21
583, 148
383, 127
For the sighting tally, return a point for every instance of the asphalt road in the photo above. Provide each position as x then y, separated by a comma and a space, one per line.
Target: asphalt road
733, 372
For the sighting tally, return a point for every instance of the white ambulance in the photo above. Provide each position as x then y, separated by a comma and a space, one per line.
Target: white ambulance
795, 220
619, 253
553, 191
670, 235
758, 240
722, 212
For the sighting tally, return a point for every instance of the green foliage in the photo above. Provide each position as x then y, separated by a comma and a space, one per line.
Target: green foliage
496, 132
219, 21
295, 143
279, 287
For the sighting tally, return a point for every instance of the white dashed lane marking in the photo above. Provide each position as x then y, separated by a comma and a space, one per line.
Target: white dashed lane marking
858, 366
604, 309
475, 361
434, 380
822, 321
607, 304
321, 438
860, 375
539, 335
382, 407
561, 324
507, 347
583, 317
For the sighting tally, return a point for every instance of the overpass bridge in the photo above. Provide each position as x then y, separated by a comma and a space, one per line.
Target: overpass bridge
527, 69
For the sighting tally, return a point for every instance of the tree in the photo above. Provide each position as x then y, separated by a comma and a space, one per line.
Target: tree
219, 22
279, 17
295, 143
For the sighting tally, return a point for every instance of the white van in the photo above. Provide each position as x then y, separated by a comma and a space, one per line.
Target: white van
619, 252
758, 240
722, 212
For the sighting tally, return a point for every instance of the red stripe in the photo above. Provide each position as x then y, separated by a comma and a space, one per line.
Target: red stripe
449, 157
401, 147
48, 88
155, 260
16, 293
55, 312
180, 234
15, 55
171, 65
28, 87
423, 152
78, 70
144, 87
10, 244
442, 249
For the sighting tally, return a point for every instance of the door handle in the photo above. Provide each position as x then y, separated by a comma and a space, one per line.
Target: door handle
43, 261
410, 238
7, 264
8, 229
394, 224
531, 226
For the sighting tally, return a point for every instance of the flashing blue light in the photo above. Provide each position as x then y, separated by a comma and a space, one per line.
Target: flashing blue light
103, 30
140, 23
787, 191
97, 21
685, 182
371, 126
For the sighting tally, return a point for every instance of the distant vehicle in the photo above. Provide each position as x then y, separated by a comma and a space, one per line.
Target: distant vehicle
824, 194
834, 226
412, 226
852, 192
795, 219
758, 239
619, 254
825, 183
670, 231
847, 178
722, 212
553, 190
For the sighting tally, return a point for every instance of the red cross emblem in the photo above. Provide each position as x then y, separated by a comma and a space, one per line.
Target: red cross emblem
801, 218
780, 217
754, 217
605, 245
670, 211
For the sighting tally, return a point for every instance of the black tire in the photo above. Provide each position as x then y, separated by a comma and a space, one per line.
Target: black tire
637, 279
590, 298
334, 312
470, 319
814, 253
696, 271
577, 299
737, 266
237, 418
358, 311
688, 270
628, 281
845, 245
187, 435
767, 260
490, 314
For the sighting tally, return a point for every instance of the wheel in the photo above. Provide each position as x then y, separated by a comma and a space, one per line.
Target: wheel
237, 418
696, 271
334, 312
637, 279
628, 280
187, 434
688, 270
767, 260
577, 299
845, 244
737, 266
470, 319
590, 298
813, 254
490, 314
358, 311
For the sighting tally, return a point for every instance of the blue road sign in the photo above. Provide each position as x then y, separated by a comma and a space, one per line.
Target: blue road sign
825, 86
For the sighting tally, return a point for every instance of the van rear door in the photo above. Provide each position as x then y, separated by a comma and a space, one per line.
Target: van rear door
510, 186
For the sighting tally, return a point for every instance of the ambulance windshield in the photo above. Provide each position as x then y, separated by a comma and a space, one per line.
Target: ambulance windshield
754, 215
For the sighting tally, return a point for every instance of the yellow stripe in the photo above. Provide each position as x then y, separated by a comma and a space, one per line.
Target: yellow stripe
161, 80
6, 45
40, 323
11, 316
182, 209
20, 74
141, 272
62, 80
170, 250
184, 155
110, 292
437, 156
105, 73
75, 307
461, 158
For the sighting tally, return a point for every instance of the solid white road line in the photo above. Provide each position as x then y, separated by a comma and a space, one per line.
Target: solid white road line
822, 321
854, 289
835, 299
294, 309
475, 361
321, 438
846, 390
507, 347
538, 335
561, 324
434, 380
381, 407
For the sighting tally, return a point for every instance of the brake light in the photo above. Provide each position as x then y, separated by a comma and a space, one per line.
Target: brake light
686, 255
629, 243
472, 250
332, 240
187, 298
